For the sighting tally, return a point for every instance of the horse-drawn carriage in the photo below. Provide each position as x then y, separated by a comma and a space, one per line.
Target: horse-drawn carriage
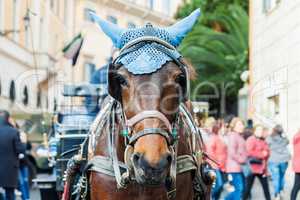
144, 143
70, 127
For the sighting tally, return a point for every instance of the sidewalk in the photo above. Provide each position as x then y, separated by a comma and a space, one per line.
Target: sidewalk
289, 181
257, 192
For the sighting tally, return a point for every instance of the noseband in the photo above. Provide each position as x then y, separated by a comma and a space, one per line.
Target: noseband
160, 131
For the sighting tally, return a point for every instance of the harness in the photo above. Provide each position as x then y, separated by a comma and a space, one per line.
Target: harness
123, 171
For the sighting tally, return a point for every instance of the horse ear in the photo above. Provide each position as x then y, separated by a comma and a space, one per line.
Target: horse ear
111, 30
114, 86
180, 29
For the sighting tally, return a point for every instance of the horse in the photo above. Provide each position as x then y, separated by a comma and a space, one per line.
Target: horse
144, 143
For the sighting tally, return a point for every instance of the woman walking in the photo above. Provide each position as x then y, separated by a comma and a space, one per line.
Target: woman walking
237, 156
217, 150
296, 166
279, 158
258, 154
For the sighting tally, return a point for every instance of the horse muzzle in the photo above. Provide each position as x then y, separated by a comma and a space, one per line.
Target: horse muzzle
151, 175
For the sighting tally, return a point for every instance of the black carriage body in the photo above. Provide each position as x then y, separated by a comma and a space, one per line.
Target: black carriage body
72, 126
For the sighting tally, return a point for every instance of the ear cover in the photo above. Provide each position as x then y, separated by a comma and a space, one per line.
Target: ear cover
180, 29
111, 30
114, 86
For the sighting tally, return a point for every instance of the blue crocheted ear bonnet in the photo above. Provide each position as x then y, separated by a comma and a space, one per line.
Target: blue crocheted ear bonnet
147, 59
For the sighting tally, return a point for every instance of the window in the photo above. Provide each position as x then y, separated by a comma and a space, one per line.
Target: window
166, 6
38, 99
66, 12
58, 8
52, 4
274, 106
2, 15
270, 5
47, 102
41, 36
25, 96
112, 19
54, 104
89, 69
87, 16
151, 4
27, 38
15, 19
12, 91
131, 25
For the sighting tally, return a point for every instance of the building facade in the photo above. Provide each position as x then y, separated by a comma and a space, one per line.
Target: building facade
32, 33
275, 63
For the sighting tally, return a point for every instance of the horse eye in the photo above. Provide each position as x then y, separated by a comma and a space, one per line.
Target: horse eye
180, 79
121, 79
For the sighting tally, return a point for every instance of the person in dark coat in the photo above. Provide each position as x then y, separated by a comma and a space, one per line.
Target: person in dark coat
10, 148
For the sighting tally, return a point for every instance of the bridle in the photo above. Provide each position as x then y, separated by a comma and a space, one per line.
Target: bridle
170, 132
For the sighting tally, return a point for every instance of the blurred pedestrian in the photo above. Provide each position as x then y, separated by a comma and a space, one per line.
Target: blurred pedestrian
23, 169
248, 130
24, 173
258, 153
10, 148
217, 150
237, 156
279, 158
227, 120
207, 129
296, 166
266, 132
249, 124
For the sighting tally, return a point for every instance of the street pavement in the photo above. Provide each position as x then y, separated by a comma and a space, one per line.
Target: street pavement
34, 194
257, 192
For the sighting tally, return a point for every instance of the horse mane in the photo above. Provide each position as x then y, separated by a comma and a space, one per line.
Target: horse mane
191, 69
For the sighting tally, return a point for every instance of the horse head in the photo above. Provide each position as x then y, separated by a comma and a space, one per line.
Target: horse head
149, 80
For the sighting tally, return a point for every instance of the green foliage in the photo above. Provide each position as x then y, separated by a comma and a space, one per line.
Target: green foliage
218, 45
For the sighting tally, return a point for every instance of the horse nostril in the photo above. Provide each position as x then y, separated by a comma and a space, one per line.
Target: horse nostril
169, 158
136, 157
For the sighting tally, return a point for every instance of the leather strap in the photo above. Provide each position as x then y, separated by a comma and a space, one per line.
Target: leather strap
150, 131
104, 165
149, 114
